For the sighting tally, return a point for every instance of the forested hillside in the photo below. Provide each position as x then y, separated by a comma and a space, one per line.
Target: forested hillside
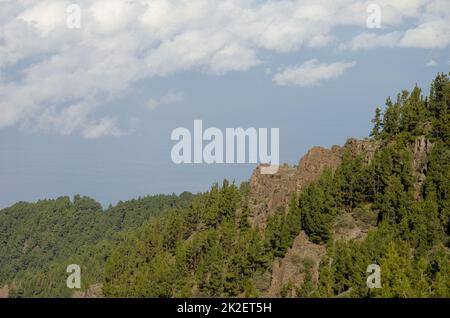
35, 236
388, 206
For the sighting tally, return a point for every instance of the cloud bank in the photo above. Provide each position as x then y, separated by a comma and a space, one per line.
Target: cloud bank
60, 79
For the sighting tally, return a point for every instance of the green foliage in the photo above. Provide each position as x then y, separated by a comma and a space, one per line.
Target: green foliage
39, 239
410, 242
414, 115
377, 124
204, 245
350, 180
208, 255
307, 288
439, 108
318, 208
437, 184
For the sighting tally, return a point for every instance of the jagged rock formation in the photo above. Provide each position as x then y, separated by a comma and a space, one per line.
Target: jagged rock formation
272, 193
4, 292
421, 150
291, 268
365, 147
312, 165
269, 193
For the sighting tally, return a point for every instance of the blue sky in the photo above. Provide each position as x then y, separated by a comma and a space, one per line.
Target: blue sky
91, 110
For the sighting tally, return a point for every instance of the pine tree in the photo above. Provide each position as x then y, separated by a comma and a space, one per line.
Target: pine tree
293, 218
391, 118
395, 274
377, 124
413, 113
439, 107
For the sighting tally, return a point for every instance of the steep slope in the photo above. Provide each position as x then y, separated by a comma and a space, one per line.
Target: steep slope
290, 271
271, 193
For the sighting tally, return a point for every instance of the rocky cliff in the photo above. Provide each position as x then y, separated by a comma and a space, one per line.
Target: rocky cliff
421, 149
270, 194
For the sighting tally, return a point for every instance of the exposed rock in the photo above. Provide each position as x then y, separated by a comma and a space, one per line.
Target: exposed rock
269, 193
272, 193
347, 227
366, 147
421, 150
291, 268
4, 292
94, 291
313, 164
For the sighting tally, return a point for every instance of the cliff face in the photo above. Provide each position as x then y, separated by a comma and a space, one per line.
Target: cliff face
313, 164
365, 147
4, 292
291, 269
421, 150
270, 194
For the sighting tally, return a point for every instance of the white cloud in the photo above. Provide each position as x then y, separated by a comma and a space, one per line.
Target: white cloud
113, 15
429, 35
431, 30
45, 16
56, 69
233, 57
366, 41
167, 99
311, 73
431, 63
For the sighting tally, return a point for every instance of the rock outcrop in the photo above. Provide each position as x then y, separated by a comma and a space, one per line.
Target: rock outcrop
314, 163
268, 193
292, 268
421, 149
365, 147
4, 292
271, 194
94, 291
